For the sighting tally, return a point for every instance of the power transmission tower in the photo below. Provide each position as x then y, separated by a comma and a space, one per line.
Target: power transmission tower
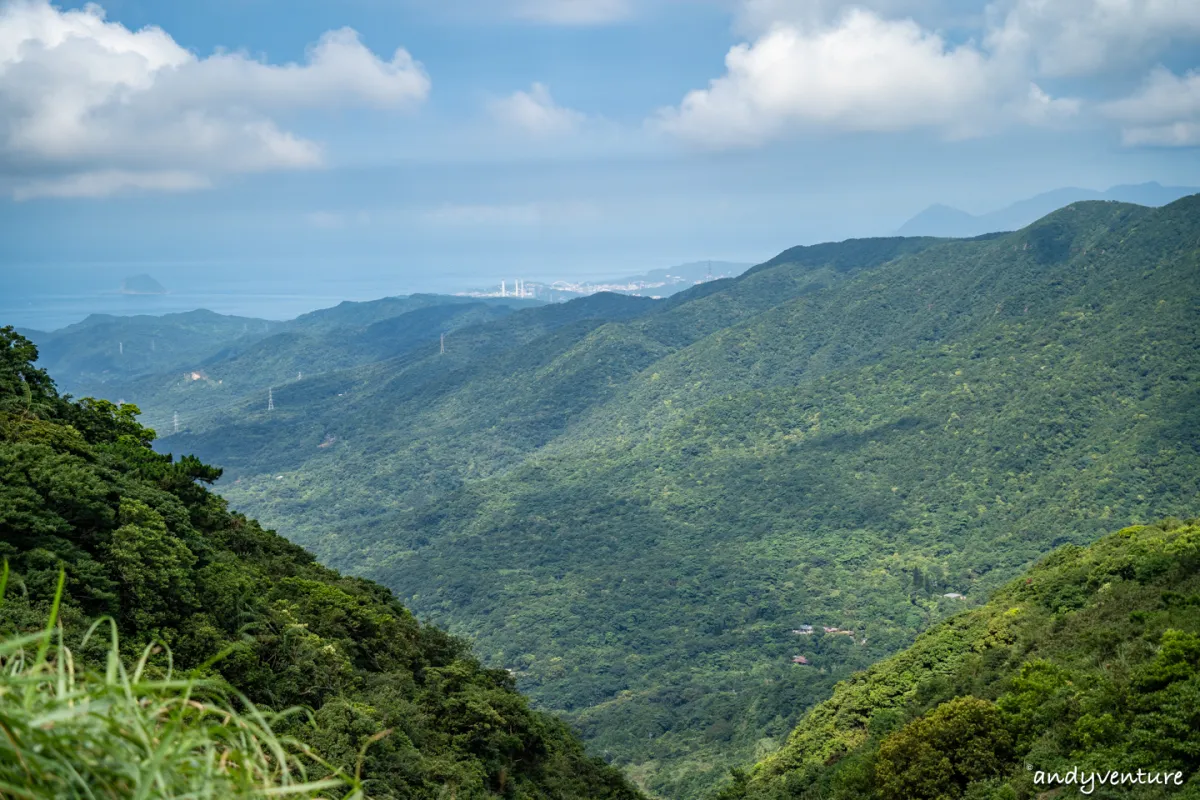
271, 399
121, 347
443, 344
177, 422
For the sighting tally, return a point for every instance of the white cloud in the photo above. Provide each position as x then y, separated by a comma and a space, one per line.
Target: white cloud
1176, 134
535, 112
105, 182
96, 108
1070, 38
574, 12
860, 73
1039, 108
1165, 111
755, 17
871, 65
508, 215
1064, 37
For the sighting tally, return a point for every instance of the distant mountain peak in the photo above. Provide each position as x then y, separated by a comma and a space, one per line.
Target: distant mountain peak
936, 217
943, 220
142, 284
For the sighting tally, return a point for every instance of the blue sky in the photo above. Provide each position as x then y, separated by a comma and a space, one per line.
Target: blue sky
464, 137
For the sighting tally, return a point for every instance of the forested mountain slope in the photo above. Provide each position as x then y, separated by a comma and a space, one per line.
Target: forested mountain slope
350, 314
105, 348
636, 506
198, 364
143, 542
423, 422
842, 459
1089, 661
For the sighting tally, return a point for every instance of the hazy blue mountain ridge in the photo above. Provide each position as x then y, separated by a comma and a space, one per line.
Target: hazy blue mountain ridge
942, 220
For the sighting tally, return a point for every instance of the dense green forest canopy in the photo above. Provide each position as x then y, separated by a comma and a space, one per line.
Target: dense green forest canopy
145, 543
634, 504
1090, 661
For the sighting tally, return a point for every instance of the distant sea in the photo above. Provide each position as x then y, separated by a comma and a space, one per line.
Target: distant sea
47, 298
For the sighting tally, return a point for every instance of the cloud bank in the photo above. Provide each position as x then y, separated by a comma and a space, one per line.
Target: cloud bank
89, 107
1164, 112
508, 215
823, 64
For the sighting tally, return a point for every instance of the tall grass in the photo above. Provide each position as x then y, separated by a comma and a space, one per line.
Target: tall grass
68, 732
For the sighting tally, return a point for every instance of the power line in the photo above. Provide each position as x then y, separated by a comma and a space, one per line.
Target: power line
161, 420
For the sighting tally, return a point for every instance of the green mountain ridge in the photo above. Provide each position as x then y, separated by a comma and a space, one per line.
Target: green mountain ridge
1090, 661
648, 563
103, 347
197, 362
632, 504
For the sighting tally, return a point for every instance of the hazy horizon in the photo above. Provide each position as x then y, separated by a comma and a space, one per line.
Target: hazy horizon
349, 149
54, 296
49, 296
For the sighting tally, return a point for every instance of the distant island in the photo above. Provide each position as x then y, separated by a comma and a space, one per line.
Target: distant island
142, 284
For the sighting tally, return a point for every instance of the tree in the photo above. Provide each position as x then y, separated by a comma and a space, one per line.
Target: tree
23, 387
153, 566
937, 756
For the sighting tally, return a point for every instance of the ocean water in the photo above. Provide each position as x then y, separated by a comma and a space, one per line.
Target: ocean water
49, 297
51, 311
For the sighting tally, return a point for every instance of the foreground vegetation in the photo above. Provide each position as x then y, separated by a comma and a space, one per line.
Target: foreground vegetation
207, 608
117, 734
1090, 661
